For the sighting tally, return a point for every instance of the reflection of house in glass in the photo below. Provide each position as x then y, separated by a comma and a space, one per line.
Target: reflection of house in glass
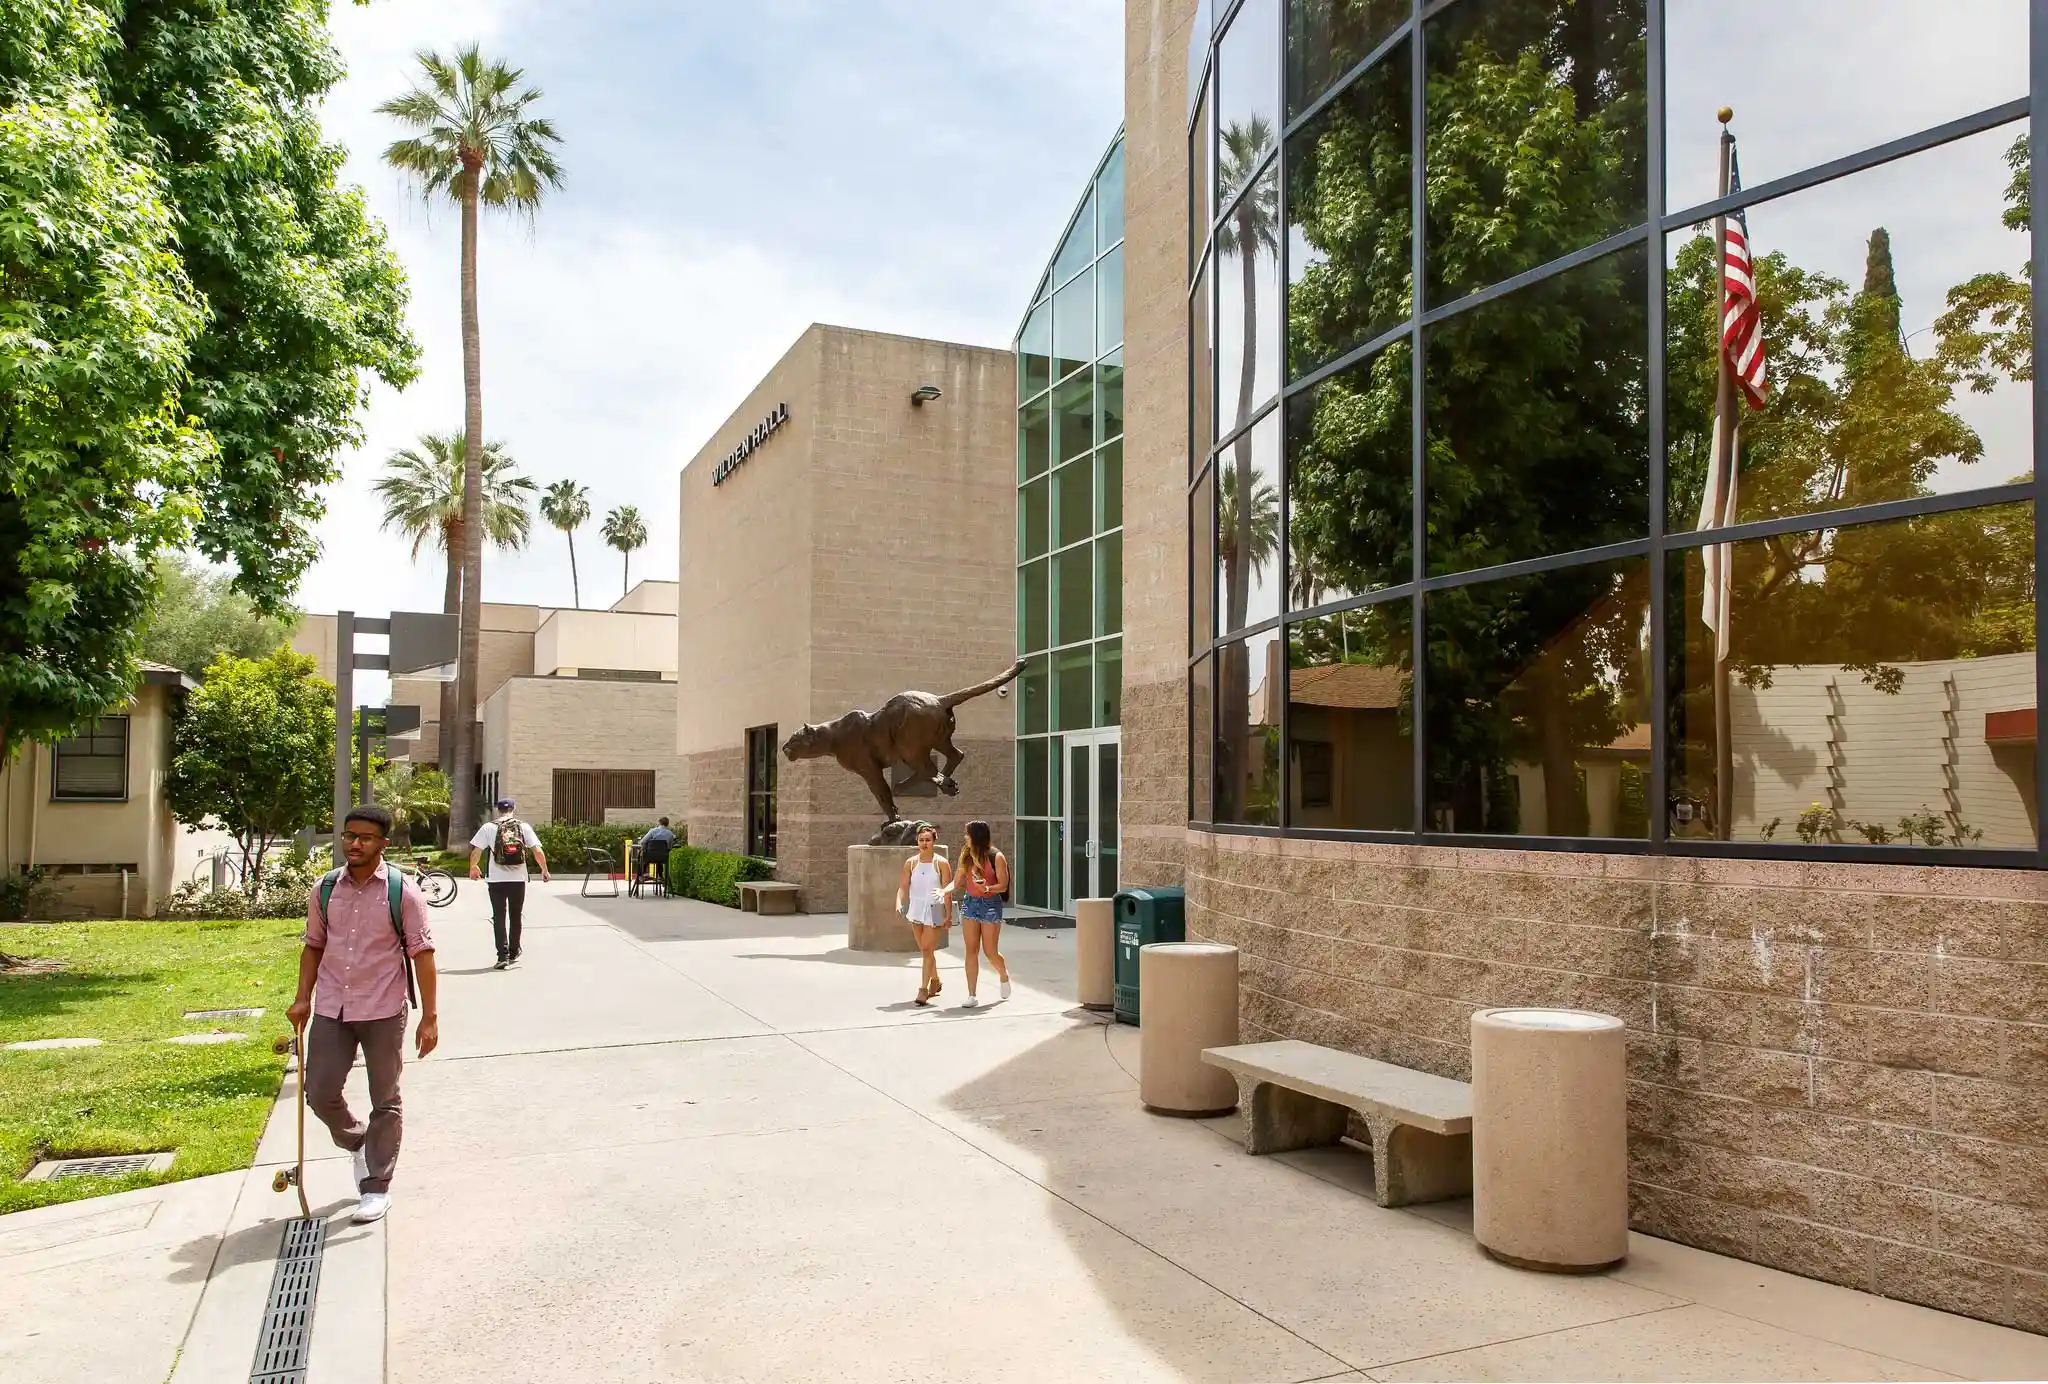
1352, 761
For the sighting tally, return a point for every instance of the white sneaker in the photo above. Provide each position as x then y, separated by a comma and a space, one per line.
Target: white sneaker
372, 1207
970, 1003
1006, 989
362, 1161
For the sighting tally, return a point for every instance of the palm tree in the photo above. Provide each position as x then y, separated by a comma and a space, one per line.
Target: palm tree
473, 141
416, 796
625, 530
1260, 528
1250, 233
422, 492
567, 507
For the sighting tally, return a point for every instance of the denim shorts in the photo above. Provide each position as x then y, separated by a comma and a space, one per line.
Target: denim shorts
982, 909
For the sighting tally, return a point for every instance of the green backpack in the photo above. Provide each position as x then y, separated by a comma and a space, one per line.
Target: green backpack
396, 883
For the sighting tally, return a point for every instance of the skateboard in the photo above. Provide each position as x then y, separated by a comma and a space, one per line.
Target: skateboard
295, 1175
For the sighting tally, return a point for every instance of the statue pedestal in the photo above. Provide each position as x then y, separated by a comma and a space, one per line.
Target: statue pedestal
873, 874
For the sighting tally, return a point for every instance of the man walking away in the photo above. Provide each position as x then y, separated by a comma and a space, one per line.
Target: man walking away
366, 938
508, 840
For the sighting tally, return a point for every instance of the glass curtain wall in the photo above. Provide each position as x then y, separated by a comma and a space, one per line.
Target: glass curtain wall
1603, 439
1070, 429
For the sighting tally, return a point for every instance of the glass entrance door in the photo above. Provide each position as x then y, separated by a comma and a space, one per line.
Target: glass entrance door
1090, 838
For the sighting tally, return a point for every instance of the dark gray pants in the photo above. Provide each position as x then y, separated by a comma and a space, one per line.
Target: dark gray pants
331, 1047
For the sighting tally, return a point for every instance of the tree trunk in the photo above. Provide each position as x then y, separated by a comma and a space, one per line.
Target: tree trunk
575, 584
1234, 670
1561, 808
626, 572
451, 604
462, 805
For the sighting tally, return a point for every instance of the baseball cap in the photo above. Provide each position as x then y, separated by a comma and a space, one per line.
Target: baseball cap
505, 804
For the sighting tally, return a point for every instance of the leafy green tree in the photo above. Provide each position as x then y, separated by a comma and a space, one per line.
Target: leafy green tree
100, 469
474, 140
422, 493
566, 505
625, 530
253, 753
1988, 330
416, 796
198, 615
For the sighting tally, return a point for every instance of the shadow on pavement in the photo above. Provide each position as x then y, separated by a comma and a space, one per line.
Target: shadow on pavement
692, 920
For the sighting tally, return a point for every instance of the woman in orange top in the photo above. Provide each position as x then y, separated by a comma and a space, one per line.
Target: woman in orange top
981, 881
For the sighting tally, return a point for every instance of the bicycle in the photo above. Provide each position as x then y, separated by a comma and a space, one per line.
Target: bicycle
436, 885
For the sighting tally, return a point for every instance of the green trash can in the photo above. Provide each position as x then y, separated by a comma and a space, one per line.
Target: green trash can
1143, 916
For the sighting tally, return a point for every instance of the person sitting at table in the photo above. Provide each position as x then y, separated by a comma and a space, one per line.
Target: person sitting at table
652, 850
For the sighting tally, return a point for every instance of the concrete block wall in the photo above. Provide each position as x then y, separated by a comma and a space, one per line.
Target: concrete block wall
1833, 1070
534, 726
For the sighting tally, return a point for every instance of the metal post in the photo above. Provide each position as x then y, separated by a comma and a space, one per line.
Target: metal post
363, 754
344, 711
1723, 456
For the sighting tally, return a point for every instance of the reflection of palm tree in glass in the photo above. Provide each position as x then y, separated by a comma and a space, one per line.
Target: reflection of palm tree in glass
1258, 529
1250, 233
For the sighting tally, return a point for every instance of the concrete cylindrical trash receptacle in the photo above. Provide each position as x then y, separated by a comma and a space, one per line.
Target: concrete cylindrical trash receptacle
1550, 1138
1095, 952
1190, 1004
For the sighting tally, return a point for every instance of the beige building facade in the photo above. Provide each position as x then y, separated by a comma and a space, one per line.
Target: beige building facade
90, 809
842, 542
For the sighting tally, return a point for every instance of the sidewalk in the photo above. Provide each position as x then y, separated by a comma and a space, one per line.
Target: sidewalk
683, 1143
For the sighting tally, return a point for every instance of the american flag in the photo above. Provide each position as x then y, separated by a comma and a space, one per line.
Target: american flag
1742, 328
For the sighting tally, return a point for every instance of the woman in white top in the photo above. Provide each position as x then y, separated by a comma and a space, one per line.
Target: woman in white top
922, 900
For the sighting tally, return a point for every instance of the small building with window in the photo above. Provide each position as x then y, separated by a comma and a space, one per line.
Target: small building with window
89, 810
849, 533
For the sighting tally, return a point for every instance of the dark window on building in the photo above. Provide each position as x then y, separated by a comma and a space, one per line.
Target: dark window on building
761, 766
1315, 761
93, 766
582, 795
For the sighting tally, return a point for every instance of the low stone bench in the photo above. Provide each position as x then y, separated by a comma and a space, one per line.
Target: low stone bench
1296, 1095
767, 896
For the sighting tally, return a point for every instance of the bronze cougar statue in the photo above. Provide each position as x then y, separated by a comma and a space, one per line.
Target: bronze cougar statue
909, 729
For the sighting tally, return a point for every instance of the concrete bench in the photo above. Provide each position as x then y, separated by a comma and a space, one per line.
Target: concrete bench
767, 896
1296, 1095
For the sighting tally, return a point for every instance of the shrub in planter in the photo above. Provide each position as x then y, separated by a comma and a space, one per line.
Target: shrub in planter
714, 876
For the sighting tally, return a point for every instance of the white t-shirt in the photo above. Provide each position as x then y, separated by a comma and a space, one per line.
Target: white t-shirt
486, 840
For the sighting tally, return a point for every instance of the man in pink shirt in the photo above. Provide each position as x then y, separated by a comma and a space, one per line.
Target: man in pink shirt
353, 983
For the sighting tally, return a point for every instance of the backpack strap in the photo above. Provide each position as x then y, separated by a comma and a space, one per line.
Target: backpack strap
327, 883
395, 882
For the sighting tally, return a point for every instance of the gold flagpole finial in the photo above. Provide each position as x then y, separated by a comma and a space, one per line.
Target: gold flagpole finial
1725, 114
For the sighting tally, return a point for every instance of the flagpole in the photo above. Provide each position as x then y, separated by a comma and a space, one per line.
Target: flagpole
1723, 457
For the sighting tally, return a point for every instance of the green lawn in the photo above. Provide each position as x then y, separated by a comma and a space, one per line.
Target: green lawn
130, 984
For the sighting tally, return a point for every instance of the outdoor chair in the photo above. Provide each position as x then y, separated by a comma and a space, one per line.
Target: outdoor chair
597, 864
650, 865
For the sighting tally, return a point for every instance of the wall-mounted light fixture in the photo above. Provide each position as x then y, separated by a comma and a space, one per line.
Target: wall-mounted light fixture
924, 394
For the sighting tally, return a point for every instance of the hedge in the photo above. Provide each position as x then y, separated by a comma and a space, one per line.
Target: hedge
565, 842
713, 876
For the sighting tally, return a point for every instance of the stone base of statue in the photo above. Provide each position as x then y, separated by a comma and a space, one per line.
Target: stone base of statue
873, 874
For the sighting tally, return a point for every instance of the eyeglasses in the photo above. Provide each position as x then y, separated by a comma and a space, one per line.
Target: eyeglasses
366, 838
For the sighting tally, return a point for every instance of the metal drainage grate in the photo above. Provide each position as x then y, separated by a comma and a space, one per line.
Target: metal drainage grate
224, 1013
286, 1343
116, 1165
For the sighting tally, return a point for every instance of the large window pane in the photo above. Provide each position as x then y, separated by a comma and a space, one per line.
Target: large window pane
1034, 586
1074, 689
1879, 686
1247, 83
1074, 596
1538, 420
1202, 563
1109, 584
1248, 304
1109, 198
1034, 697
1033, 519
1201, 739
1073, 325
1109, 301
1823, 78
1535, 137
1250, 686
1109, 682
1032, 853
1327, 38
1350, 233
1079, 246
1201, 377
1350, 720
1034, 438
1894, 333
1110, 468
1248, 534
1538, 686
1109, 396
1031, 782
1073, 411
1074, 501
1034, 352
1350, 442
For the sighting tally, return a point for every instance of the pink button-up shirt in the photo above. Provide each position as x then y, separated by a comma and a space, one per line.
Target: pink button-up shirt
362, 975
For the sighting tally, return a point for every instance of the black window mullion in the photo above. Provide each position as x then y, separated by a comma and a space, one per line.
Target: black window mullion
1660, 720
2037, 133
1284, 808
1882, 511
1418, 638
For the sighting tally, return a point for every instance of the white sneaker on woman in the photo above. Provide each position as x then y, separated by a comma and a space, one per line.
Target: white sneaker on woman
970, 1003
1006, 989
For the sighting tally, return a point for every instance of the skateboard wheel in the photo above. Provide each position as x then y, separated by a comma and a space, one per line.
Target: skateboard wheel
280, 1180
281, 1045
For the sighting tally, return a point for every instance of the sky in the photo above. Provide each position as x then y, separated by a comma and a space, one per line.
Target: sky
735, 173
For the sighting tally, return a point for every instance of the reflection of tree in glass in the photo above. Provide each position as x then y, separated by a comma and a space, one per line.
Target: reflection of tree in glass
1260, 528
1250, 232
1988, 330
